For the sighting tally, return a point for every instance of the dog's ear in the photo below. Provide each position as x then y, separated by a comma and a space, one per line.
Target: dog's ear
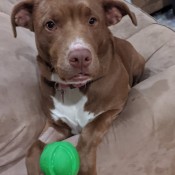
22, 16
115, 10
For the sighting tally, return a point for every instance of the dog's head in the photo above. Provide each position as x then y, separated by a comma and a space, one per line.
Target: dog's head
73, 36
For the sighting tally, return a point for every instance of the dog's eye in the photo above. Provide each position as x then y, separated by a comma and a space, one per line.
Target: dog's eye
92, 21
50, 25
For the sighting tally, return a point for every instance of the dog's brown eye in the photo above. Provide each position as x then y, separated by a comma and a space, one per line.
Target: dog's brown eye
92, 21
50, 25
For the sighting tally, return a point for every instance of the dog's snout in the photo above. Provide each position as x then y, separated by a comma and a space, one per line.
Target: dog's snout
80, 58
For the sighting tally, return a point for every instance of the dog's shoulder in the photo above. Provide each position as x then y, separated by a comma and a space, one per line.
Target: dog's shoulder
123, 45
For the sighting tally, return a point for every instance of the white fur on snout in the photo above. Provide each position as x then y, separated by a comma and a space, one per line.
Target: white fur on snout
78, 43
72, 110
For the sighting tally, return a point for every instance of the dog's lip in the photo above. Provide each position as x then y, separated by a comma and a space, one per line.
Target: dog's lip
79, 80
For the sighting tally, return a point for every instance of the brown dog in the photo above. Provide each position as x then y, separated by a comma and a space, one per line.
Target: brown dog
85, 72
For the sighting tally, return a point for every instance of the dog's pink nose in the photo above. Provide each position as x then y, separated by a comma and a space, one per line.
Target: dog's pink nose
80, 58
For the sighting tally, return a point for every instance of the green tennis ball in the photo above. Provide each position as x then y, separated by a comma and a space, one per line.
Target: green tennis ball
60, 158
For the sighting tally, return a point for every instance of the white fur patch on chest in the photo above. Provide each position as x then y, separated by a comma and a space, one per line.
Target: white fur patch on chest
71, 111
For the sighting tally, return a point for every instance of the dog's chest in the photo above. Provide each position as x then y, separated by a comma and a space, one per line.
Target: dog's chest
69, 107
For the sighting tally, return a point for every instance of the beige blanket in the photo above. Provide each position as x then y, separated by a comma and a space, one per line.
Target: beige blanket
140, 142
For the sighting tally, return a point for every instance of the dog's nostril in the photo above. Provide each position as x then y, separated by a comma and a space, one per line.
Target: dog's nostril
74, 60
87, 59
80, 58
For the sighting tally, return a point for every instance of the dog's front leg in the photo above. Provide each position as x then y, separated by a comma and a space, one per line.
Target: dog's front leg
33, 156
90, 138
58, 132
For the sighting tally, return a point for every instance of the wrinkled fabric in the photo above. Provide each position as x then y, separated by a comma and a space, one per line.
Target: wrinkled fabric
142, 140
21, 117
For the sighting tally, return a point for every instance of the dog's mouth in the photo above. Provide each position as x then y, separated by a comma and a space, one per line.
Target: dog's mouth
76, 81
79, 80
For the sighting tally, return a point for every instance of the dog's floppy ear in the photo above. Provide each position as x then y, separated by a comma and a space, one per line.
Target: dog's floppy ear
22, 16
115, 10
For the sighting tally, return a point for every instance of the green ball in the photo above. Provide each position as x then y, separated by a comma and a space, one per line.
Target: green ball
60, 158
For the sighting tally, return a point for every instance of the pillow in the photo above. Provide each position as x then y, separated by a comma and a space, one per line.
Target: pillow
7, 5
21, 117
142, 140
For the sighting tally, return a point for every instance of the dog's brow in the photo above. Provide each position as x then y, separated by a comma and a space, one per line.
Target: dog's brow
84, 9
